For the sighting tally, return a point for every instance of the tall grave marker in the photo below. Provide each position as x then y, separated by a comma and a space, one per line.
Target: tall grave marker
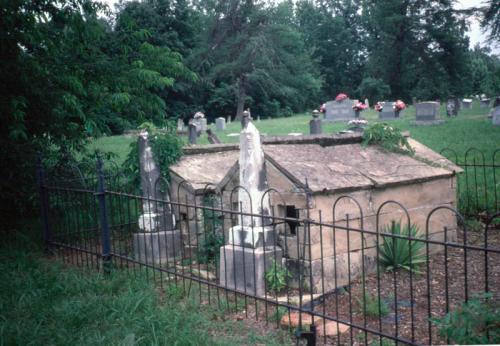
251, 247
157, 240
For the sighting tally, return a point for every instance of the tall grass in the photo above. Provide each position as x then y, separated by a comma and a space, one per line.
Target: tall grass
44, 302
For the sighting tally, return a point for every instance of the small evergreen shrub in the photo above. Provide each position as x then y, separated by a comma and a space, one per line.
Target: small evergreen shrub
474, 322
277, 277
398, 253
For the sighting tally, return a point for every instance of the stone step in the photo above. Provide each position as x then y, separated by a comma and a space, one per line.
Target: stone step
330, 328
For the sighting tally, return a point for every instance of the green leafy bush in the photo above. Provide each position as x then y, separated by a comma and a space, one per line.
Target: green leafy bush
388, 137
277, 277
397, 252
474, 322
212, 239
167, 150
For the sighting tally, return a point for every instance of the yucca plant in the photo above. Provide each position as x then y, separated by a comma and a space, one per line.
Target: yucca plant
398, 253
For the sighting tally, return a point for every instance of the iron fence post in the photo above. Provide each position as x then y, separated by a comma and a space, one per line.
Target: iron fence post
103, 216
43, 194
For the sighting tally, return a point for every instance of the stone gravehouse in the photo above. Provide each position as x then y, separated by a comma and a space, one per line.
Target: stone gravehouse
339, 111
368, 174
157, 240
427, 113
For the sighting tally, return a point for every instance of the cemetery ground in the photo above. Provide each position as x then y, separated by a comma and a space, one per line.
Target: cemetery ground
472, 128
45, 301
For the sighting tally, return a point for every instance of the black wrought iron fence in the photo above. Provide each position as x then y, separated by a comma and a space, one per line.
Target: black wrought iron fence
479, 183
346, 275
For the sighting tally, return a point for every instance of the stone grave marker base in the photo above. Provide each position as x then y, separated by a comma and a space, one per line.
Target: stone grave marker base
157, 247
243, 269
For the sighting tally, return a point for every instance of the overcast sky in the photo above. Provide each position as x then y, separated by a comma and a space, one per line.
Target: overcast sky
475, 34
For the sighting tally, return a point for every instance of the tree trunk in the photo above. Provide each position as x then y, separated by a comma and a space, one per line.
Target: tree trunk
241, 97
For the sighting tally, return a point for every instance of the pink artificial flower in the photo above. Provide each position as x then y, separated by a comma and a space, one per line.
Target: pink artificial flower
359, 106
399, 105
341, 97
322, 108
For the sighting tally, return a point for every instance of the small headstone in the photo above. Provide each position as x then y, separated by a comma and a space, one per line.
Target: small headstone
452, 107
496, 116
315, 127
212, 137
467, 103
193, 133
367, 103
180, 125
228, 119
220, 124
339, 111
427, 113
258, 118
484, 103
388, 112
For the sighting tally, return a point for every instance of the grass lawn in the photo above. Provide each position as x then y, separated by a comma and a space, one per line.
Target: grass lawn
44, 302
471, 128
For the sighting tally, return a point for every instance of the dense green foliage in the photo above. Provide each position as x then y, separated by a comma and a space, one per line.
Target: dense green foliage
277, 277
474, 322
72, 69
398, 251
166, 147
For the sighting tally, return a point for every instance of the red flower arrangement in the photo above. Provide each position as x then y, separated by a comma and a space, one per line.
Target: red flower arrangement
398, 105
359, 106
379, 106
341, 97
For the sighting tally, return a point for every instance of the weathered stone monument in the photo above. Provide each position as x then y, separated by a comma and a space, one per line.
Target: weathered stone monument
496, 116
467, 103
251, 247
315, 124
484, 103
367, 103
339, 110
192, 133
452, 107
180, 125
427, 113
157, 240
220, 124
200, 121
